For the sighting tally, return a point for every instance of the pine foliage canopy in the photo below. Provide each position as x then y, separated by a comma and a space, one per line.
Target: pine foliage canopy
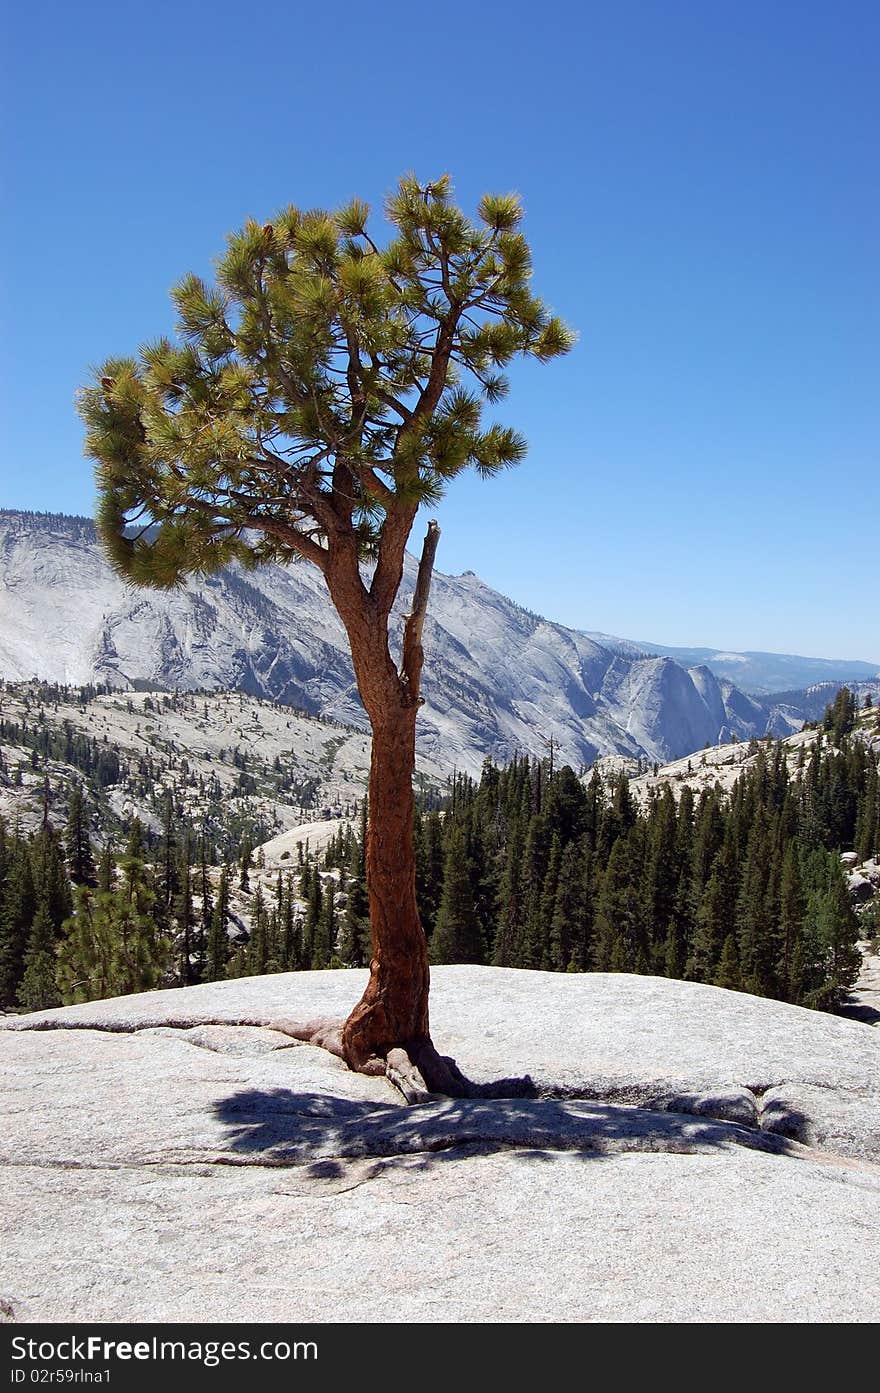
323, 384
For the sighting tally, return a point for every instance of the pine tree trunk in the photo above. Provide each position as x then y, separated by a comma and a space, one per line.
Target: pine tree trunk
393, 1012
388, 1029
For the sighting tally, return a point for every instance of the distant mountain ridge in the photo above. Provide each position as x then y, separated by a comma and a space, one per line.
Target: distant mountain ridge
499, 680
760, 674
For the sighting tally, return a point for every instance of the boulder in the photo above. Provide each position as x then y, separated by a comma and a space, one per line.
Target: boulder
179, 1155
861, 889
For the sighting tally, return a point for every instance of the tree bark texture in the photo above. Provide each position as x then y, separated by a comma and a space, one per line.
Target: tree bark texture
394, 1008
393, 1012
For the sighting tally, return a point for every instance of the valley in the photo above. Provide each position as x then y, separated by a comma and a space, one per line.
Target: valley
498, 681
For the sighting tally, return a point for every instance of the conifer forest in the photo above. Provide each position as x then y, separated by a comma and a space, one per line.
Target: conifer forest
531, 866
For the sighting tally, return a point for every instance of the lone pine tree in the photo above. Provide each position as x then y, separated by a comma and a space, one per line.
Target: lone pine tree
319, 394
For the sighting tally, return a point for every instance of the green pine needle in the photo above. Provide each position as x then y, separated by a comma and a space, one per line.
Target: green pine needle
327, 375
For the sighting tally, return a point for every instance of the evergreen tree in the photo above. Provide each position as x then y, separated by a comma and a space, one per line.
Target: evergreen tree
79, 848
354, 945
106, 868
203, 924
183, 916
510, 903
258, 943
712, 919
840, 716
568, 940
839, 930
18, 910
247, 862
484, 869
237, 964
291, 929
551, 950
168, 860
457, 937
314, 904
593, 809
112, 944
867, 837
218, 938
618, 931
728, 973
372, 364
530, 943
582, 927
758, 942
622, 814
707, 839
660, 881
324, 947
791, 927
566, 806
759, 864
430, 859
50, 878
38, 989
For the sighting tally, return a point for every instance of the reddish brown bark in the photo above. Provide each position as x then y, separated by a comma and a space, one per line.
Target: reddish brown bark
393, 1012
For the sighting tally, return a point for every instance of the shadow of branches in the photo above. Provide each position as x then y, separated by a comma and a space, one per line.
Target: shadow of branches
277, 1127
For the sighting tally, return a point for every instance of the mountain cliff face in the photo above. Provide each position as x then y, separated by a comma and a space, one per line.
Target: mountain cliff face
762, 674
498, 680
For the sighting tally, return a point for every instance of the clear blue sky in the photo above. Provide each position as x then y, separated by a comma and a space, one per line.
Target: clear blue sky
701, 185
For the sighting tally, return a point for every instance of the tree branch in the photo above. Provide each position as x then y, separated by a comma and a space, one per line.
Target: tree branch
393, 537
388, 400
413, 654
376, 487
292, 537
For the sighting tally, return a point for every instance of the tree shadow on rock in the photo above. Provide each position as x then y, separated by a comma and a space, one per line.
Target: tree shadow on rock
858, 1011
780, 1118
277, 1127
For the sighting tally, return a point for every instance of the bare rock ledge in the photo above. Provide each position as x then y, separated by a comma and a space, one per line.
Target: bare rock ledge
667, 1152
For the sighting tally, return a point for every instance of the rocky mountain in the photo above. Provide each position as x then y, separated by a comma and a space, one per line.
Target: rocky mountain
251, 767
761, 674
499, 680
722, 765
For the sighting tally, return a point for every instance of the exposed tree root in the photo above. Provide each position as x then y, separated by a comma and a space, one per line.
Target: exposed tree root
324, 1032
417, 1069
